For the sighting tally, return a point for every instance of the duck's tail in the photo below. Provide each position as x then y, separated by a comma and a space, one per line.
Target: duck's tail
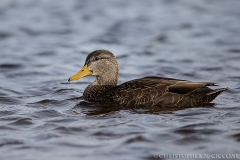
213, 94
200, 96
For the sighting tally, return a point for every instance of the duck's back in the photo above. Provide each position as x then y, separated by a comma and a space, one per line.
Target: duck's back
159, 91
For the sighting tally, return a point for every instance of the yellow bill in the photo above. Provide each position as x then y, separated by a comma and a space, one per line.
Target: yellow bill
82, 73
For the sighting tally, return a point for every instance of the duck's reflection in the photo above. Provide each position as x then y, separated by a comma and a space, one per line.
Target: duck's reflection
91, 109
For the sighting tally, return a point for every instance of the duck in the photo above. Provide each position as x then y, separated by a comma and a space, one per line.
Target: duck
149, 91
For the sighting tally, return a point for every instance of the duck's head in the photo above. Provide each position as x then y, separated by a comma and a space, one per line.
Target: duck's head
100, 63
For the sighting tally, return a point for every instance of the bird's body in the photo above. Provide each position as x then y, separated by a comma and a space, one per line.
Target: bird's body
146, 92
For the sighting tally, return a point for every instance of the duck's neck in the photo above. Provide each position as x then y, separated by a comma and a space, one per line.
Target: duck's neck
99, 87
106, 80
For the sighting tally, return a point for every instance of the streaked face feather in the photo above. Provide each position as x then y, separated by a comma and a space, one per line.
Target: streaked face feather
100, 62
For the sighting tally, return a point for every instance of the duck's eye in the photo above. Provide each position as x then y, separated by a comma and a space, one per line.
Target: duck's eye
96, 59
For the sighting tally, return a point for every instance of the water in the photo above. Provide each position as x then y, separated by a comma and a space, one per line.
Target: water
43, 43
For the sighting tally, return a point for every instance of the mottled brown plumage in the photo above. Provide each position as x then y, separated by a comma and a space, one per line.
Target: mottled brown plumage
143, 92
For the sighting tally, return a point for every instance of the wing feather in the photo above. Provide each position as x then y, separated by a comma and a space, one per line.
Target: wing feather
157, 90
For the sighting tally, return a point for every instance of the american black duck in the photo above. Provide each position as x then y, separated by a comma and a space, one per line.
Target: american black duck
147, 91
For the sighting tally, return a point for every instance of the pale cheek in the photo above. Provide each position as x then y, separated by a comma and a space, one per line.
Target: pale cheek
91, 69
96, 71
108, 63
